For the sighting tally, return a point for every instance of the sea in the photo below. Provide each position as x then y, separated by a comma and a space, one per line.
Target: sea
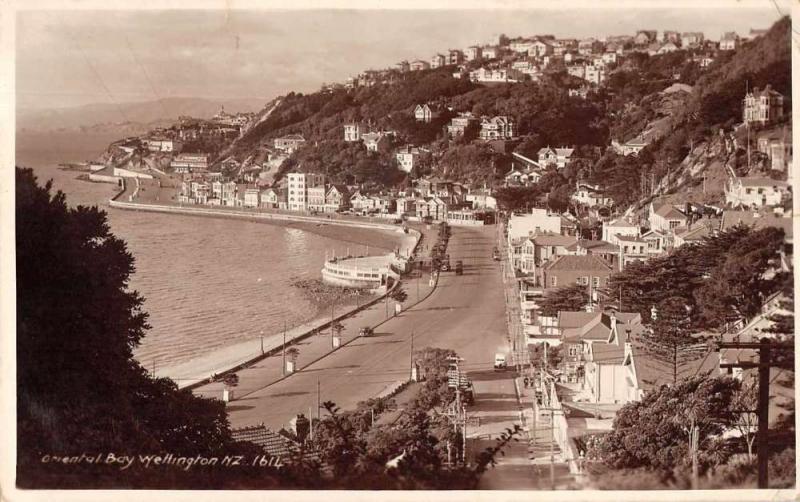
207, 283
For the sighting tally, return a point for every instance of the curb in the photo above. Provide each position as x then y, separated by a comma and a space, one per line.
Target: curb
306, 335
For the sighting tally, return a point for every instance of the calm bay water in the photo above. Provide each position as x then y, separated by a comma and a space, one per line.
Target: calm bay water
208, 283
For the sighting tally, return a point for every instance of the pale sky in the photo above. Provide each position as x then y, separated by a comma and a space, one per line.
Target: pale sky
81, 57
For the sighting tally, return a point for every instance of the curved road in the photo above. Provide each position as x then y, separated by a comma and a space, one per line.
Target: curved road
465, 313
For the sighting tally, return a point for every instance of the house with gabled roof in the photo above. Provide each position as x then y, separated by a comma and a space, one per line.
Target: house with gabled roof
755, 191
272, 443
762, 106
548, 246
619, 226
337, 198
558, 157
605, 376
588, 270
666, 217
500, 127
645, 373
424, 113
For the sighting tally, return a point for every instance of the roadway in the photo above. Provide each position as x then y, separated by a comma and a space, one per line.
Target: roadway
465, 313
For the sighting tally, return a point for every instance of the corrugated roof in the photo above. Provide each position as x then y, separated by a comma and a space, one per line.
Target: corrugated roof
668, 211
271, 442
554, 240
583, 262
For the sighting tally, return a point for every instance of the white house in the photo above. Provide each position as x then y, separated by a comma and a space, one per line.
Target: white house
407, 157
755, 192
620, 226
536, 222
500, 127
666, 217
558, 157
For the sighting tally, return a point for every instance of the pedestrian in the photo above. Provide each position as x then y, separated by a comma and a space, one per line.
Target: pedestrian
526, 382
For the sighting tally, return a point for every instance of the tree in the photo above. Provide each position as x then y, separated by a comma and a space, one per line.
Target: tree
744, 408
653, 433
398, 294
79, 389
669, 337
739, 283
568, 298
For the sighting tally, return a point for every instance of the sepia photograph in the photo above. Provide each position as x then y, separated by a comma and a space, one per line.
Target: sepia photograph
519, 248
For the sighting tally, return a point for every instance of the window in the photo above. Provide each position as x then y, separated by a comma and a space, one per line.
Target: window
573, 350
554, 281
596, 282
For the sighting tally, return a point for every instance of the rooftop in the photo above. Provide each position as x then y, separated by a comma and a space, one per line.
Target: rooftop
579, 263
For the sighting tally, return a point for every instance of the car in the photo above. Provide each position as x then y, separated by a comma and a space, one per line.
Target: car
446, 266
500, 362
366, 331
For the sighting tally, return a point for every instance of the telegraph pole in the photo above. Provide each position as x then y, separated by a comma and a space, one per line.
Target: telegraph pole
284, 348
411, 354
764, 348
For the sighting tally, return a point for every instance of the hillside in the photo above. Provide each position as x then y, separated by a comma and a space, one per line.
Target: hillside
690, 146
128, 116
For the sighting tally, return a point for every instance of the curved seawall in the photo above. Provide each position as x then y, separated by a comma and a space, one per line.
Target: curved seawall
226, 358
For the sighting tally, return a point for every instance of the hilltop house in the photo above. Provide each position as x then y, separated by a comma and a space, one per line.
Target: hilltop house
458, 125
454, 57
666, 217
645, 37
692, 39
289, 143
729, 41
472, 53
353, 131
189, 162
424, 113
632, 147
755, 192
418, 65
407, 157
438, 60
376, 141
500, 127
776, 145
490, 51
522, 177
558, 157
763, 106
591, 196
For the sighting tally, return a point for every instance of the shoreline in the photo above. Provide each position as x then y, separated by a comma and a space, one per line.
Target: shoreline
229, 358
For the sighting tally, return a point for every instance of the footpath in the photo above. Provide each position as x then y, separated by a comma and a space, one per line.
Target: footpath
269, 369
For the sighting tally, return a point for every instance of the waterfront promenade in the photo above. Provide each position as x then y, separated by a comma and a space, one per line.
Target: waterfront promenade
464, 313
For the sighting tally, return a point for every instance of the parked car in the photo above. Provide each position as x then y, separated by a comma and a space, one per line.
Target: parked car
500, 362
366, 331
446, 265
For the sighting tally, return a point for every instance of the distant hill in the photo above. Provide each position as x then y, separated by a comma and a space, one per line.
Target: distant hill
129, 115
